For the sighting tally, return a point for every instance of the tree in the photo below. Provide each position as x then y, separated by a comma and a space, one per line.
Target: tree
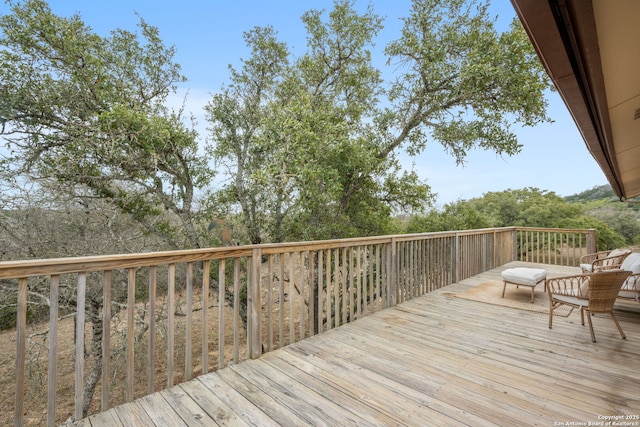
314, 141
620, 218
460, 215
238, 116
86, 126
463, 83
88, 111
311, 144
43, 221
527, 207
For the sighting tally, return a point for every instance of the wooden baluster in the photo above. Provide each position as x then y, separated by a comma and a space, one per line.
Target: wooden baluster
79, 345
151, 352
236, 310
106, 340
171, 310
281, 299
254, 306
221, 305
21, 350
188, 346
53, 350
292, 331
131, 317
206, 271
270, 304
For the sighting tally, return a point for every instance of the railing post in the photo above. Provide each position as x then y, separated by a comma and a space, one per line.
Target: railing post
456, 258
21, 350
53, 350
253, 305
79, 346
188, 359
130, 351
106, 339
171, 310
591, 241
392, 277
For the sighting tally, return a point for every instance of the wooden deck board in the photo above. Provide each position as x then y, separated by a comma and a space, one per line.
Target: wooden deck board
434, 360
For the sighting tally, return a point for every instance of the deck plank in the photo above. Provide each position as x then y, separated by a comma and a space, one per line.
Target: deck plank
233, 391
434, 360
380, 393
132, 413
219, 411
258, 408
190, 412
289, 365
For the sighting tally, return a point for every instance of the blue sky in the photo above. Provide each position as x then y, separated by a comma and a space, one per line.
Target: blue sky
207, 35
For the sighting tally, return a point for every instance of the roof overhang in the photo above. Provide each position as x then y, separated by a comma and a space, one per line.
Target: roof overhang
590, 50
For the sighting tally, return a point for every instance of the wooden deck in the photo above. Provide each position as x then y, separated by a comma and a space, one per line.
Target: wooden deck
436, 360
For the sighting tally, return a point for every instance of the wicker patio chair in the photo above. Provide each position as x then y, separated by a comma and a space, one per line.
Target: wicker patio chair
603, 260
590, 292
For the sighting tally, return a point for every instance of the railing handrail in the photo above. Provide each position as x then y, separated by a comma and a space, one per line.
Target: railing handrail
53, 266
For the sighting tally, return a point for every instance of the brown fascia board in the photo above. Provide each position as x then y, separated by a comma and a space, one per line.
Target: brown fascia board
564, 36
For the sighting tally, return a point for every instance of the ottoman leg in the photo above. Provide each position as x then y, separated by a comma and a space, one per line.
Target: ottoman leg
504, 287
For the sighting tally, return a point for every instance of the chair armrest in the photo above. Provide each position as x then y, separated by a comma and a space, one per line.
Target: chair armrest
609, 262
612, 263
589, 258
575, 286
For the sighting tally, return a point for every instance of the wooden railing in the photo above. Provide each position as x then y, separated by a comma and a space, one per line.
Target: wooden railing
175, 315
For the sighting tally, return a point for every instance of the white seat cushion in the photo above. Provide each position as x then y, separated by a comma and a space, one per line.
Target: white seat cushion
585, 267
631, 263
581, 302
629, 294
524, 276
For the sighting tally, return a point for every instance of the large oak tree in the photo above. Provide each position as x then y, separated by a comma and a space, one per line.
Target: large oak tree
311, 144
90, 112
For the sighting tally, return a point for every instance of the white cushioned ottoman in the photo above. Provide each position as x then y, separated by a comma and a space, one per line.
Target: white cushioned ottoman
523, 276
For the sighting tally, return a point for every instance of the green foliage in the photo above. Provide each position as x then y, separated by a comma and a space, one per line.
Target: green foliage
606, 237
312, 143
621, 219
455, 216
88, 111
602, 204
464, 83
530, 207
602, 192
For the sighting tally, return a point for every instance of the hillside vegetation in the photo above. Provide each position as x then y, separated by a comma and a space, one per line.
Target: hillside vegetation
617, 223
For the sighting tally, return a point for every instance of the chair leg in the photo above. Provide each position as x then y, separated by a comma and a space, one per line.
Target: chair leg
624, 337
552, 306
582, 316
593, 335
